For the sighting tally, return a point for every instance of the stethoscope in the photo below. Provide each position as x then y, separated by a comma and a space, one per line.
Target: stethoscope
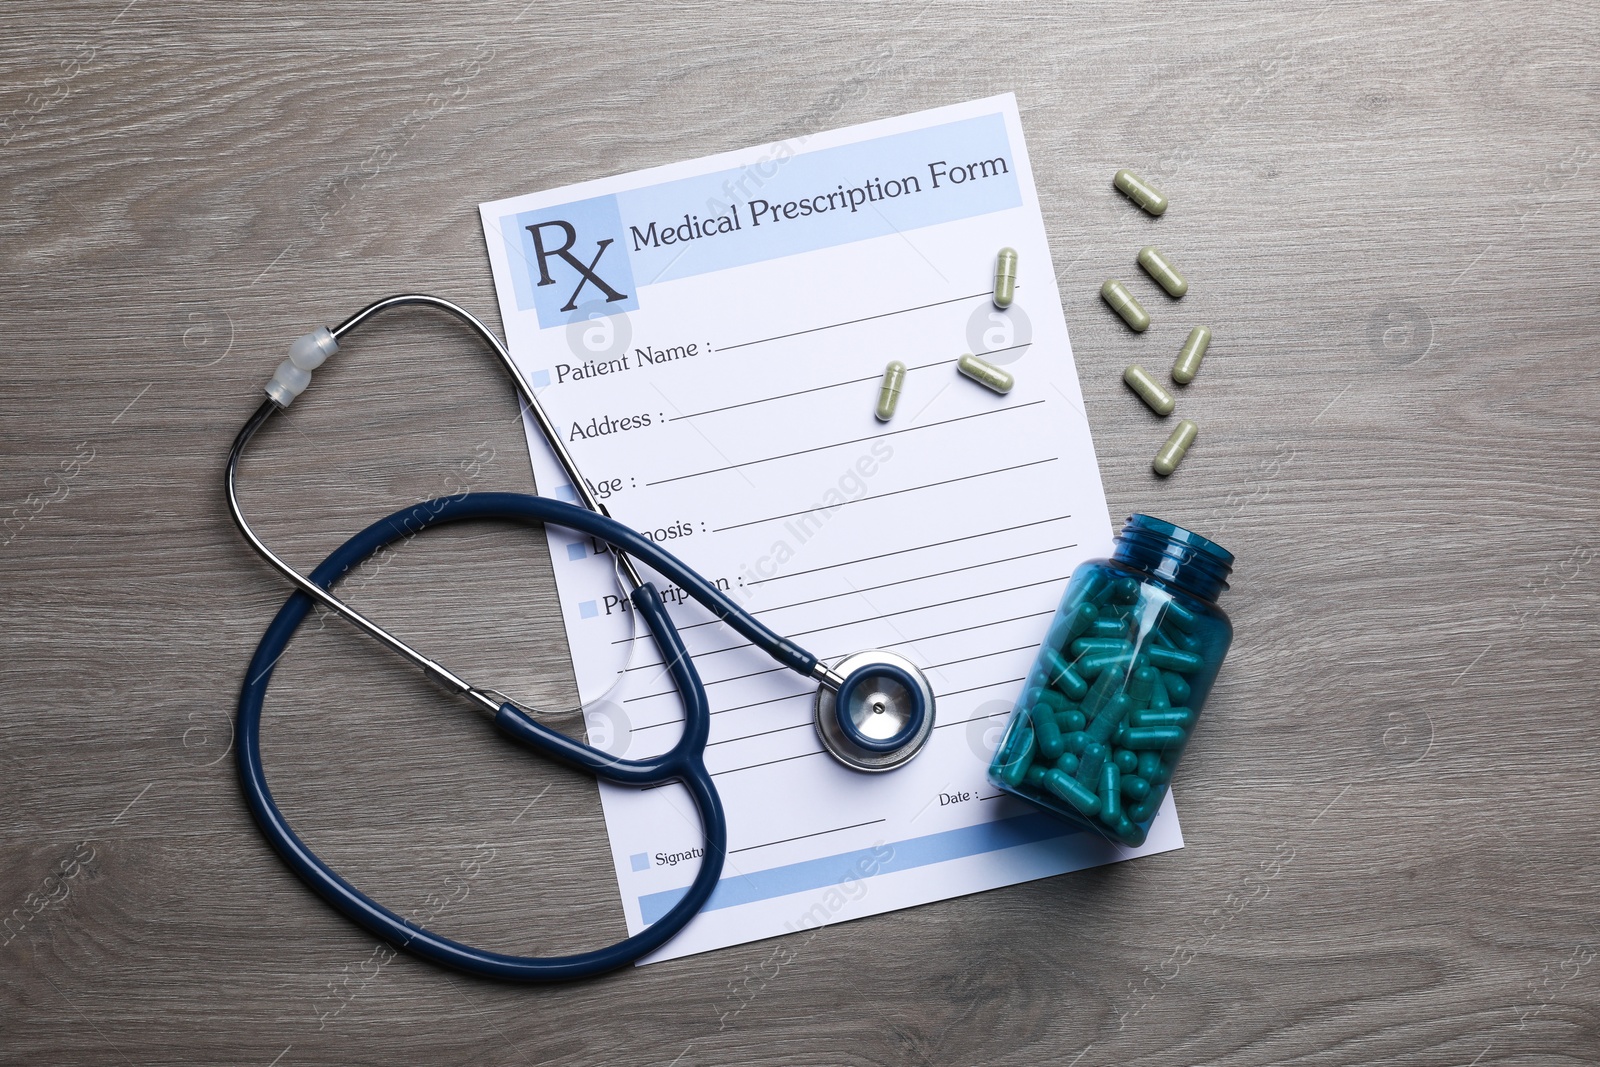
874, 709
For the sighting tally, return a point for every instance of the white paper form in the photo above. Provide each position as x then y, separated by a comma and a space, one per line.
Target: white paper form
709, 339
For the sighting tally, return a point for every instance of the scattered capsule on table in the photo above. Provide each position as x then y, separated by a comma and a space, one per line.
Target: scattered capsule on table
894, 375
1122, 302
1139, 380
1140, 191
1005, 277
1171, 453
1187, 365
985, 374
1161, 269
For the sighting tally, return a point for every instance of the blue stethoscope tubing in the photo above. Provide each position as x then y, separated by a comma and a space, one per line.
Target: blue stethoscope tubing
885, 692
682, 763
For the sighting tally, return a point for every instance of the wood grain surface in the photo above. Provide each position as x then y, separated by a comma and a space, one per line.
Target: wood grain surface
1388, 214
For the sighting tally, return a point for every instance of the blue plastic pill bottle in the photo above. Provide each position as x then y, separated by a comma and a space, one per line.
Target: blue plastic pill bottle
1118, 685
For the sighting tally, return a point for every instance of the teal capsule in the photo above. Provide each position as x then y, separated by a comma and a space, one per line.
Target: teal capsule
1177, 688
985, 374
1093, 755
1125, 590
1140, 191
1067, 764
1174, 659
1047, 734
1076, 742
1005, 277
1016, 754
1142, 738
1127, 761
1101, 662
1178, 615
1071, 721
1106, 687
1149, 766
1145, 810
1160, 268
1142, 685
1089, 646
894, 375
1035, 776
1108, 628
1093, 589
1187, 365
1122, 302
1109, 718
1129, 832
1182, 718
1134, 787
1150, 391
1176, 447
1061, 675
1079, 620
1067, 788
1048, 697
1110, 793
1158, 693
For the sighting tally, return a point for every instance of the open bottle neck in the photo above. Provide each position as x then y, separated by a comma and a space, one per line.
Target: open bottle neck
1174, 556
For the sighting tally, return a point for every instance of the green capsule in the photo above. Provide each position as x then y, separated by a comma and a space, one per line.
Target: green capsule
1127, 761
1067, 764
1148, 738
1005, 277
1161, 269
1125, 590
1174, 659
1140, 191
1187, 365
1129, 832
1178, 442
1149, 766
1122, 302
894, 375
1071, 721
1067, 788
1182, 718
1076, 742
1035, 776
985, 374
1134, 787
1158, 693
1047, 733
1110, 793
1094, 754
1177, 688
1139, 380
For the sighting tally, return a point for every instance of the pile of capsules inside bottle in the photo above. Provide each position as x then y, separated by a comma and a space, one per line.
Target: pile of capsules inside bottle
1117, 687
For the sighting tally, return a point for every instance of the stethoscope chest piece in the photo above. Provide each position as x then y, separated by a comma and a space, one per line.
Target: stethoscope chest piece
881, 715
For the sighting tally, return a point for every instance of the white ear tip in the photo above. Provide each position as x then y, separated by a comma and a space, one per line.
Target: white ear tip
309, 352
294, 374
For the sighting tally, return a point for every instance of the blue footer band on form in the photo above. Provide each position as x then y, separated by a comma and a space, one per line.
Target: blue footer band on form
739, 889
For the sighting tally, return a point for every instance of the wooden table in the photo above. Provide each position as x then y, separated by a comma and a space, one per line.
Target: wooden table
1389, 216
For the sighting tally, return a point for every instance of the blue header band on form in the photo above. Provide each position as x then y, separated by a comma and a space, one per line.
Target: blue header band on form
737, 889
591, 257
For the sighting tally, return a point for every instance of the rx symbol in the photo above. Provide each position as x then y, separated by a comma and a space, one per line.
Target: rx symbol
586, 273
